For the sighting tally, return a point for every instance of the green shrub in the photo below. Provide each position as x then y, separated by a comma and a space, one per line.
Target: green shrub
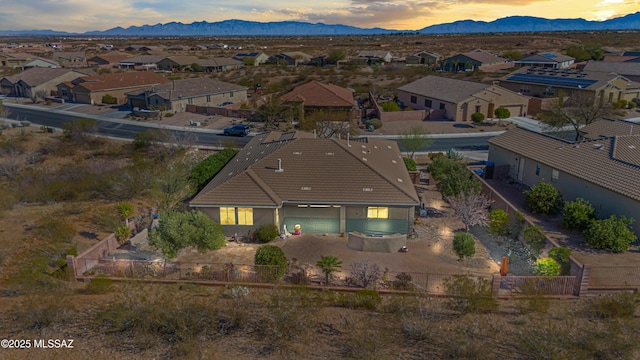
469, 294
610, 234
543, 198
535, 238
123, 233
377, 123
273, 256
390, 106
547, 267
367, 299
168, 114
268, 232
477, 117
464, 245
516, 224
621, 305
563, 256
499, 222
410, 164
99, 285
577, 214
108, 99
205, 170
502, 113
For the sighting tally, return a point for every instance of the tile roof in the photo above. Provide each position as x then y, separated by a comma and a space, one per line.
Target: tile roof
315, 93
186, 88
68, 55
218, 61
120, 80
441, 88
143, 59
618, 58
484, 57
592, 79
621, 68
609, 127
183, 60
315, 171
39, 75
111, 58
17, 55
612, 163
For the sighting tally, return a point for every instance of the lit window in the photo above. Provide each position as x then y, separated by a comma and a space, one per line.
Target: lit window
227, 216
554, 176
245, 216
377, 212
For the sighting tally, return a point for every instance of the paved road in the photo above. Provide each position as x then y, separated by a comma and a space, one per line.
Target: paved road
127, 129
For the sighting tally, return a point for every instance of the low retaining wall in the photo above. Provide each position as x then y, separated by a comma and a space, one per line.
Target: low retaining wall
384, 243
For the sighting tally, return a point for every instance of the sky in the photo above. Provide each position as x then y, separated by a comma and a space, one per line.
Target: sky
86, 15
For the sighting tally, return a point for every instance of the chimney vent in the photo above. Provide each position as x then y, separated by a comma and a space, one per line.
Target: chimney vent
279, 169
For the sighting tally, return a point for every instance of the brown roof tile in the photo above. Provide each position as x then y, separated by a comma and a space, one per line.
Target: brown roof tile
37, 76
121, 80
186, 88
609, 127
319, 94
437, 87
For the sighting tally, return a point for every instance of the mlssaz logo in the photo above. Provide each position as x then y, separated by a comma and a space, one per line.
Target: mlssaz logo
53, 344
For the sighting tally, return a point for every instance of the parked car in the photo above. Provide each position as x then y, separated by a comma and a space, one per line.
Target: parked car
237, 130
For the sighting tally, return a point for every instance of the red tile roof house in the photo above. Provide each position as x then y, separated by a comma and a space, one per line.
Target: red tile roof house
328, 186
176, 95
316, 96
92, 89
30, 81
605, 170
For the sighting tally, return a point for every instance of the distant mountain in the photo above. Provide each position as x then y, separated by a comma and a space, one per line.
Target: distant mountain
295, 28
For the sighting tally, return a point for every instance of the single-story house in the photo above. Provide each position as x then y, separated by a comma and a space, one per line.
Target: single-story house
477, 59
28, 82
14, 59
603, 171
546, 60
630, 70
252, 58
218, 64
457, 100
423, 57
141, 62
177, 94
177, 62
328, 186
373, 56
70, 58
108, 59
293, 58
153, 48
40, 62
92, 89
316, 96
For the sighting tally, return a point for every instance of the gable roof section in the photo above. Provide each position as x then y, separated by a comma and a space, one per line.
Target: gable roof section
315, 171
39, 75
110, 58
315, 93
611, 163
376, 54
120, 80
484, 57
187, 88
182, 60
621, 68
441, 88
143, 59
545, 58
609, 127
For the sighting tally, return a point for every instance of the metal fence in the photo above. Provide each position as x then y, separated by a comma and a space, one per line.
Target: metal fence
511, 286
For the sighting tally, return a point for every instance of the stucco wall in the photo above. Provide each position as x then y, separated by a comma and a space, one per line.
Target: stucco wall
261, 216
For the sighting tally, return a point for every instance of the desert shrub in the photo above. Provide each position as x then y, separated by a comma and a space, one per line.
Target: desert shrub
108, 99
38, 312
123, 233
516, 224
364, 273
168, 114
403, 281
469, 295
611, 234
543, 198
464, 245
535, 297
99, 285
377, 123
410, 164
535, 237
390, 106
105, 218
563, 256
577, 214
620, 305
547, 267
274, 257
477, 117
452, 176
205, 170
367, 299
268, 232
55, 229
499, 222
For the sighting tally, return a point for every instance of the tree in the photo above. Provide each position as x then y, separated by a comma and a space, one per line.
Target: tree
577, 214
178, 230
125, 210
328, 265
470, 208
611, 234
499, 222
363, 273
579, 110
543, 198
453, 176
274, 257
502, 113
547, 267
464, 245
328, 124
477, 117
37, 95
415, 138
335, 55
272, 110
390, 106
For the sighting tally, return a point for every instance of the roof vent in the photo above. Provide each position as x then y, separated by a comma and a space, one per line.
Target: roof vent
632, 146
399, 180
279, 169
329, 153
297, 153
364, 159
367, 189
598, 146
393, 161
306, 188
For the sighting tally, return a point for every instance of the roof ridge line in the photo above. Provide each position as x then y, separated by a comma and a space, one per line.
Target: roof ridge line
267, 190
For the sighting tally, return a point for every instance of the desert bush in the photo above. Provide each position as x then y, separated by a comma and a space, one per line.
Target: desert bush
37, 312
547, 267
377, 123
543, 198
403, 281
274, 257
477, 117
105, 218
410, 164
464, 245
577, 214
620, 305
55, 229
536, 298
123, 233
516, 224
469, 295
499, 222
390, 106
177, 230
364, 273
535, 238
108, 99
563, 256
611, 234
268, 232
99, 285
367, 299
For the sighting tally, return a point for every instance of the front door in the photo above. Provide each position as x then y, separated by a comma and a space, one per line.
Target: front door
520, 169
492, 107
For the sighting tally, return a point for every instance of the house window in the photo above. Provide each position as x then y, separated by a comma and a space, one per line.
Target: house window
190, 101
231, 94
538, 169
441, 106
610, 97
208, 98
478, 107
414, 100
374, 212
524, 89
227, 216
549, 91
245, 216
427, 103
554, 176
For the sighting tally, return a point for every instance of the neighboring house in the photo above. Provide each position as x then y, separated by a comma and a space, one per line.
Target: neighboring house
477, 59
218, 64
609, 127
40, 62
177, 62
328, 186
252, 58
15, 59
620, 58
374, 56
92, 89
549, 83
293, 58
144, 48
29, 82
107, 60
603, 171
177, 94
73, 58
547, 60
316, 96
457, 100
423, 57
141, 62
630, 70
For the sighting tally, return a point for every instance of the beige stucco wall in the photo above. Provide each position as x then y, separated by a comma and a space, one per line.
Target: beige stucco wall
261, 216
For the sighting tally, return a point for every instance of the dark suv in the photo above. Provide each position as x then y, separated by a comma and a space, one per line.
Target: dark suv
237, 130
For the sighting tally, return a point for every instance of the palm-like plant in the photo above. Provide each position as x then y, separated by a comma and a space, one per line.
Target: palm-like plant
329, 265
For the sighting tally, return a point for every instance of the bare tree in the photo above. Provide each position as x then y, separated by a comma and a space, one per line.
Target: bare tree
37, 95
328, 124
579, 109
414, 139
363, 273
470, 208
10, 166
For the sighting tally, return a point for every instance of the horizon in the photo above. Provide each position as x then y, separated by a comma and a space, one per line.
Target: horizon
76, 16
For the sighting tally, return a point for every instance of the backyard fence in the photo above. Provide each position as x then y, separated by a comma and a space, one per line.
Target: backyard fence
514, 286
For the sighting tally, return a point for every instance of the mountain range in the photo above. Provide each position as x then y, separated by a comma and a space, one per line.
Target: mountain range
296, 28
